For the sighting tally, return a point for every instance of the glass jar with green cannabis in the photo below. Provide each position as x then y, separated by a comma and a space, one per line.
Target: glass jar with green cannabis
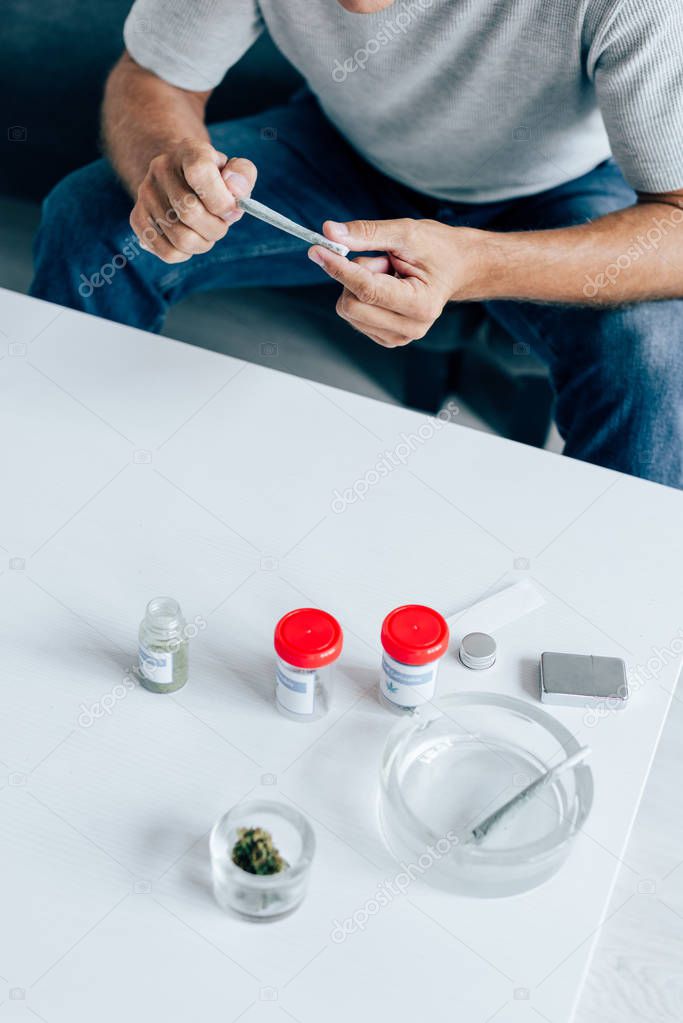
261, 856
163, 662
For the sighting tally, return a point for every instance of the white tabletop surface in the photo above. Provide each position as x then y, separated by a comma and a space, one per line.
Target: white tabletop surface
134, 466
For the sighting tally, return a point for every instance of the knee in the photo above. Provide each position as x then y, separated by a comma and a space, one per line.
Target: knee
637, 354
67, 204
85, 237
85, 207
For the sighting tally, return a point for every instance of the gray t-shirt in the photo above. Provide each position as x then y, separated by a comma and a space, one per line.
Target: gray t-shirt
466, 100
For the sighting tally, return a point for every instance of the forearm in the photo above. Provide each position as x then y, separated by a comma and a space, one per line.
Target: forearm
632, 255
143, 116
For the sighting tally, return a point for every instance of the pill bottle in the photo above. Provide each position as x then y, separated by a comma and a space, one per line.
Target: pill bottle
163, 662
414, 639
307, 642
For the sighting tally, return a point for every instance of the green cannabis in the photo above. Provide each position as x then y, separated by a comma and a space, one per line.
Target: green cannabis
254, 852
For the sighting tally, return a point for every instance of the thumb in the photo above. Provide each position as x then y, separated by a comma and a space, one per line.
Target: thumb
239, 175
365, 235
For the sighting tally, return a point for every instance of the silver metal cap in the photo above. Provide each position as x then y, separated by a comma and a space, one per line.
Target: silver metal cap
478, 650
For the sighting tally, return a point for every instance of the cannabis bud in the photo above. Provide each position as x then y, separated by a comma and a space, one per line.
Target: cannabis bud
254, 852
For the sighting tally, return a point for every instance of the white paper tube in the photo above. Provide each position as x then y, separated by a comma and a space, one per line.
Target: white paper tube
268, 216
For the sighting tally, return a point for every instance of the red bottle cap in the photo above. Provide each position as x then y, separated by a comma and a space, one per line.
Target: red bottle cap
308, 638
415, 634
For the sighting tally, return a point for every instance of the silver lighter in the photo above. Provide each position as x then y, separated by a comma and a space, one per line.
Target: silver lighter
582, 680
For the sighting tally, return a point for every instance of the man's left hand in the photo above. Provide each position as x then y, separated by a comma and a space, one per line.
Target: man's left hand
395, 298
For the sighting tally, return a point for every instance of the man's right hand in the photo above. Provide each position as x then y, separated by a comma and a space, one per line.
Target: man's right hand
186, 201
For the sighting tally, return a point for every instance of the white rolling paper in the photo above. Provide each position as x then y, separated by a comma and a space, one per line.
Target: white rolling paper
498, 610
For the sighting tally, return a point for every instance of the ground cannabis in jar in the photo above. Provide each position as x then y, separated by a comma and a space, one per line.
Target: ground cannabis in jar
254, 852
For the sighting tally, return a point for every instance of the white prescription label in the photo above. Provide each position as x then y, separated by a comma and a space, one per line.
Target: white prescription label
407, 685
155, 665
295, 688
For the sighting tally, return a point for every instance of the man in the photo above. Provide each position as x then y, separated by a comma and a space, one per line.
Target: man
466, 141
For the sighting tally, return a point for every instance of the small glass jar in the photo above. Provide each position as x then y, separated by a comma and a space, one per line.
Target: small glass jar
414, 639
262, 896
163, 662
307, 642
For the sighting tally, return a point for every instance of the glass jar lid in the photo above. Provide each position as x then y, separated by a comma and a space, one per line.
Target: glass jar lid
308, 638
415, 634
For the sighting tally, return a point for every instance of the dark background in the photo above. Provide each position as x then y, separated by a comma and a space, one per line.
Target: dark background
54, 59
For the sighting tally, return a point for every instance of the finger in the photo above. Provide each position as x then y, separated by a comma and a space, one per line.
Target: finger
362, 235
171, 227
189, 209
385, 338
376, 264
370, 288
200, 169
152, 241
377, 319
183, 238
163, 249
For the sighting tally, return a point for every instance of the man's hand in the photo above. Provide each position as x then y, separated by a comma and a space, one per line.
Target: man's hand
186, 201
631, 255
395, 298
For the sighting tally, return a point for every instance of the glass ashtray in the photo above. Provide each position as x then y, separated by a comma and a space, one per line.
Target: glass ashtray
262, 896
451, 765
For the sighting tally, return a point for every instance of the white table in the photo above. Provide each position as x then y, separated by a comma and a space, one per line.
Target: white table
134, 466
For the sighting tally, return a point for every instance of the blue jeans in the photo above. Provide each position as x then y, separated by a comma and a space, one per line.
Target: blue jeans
617, 373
